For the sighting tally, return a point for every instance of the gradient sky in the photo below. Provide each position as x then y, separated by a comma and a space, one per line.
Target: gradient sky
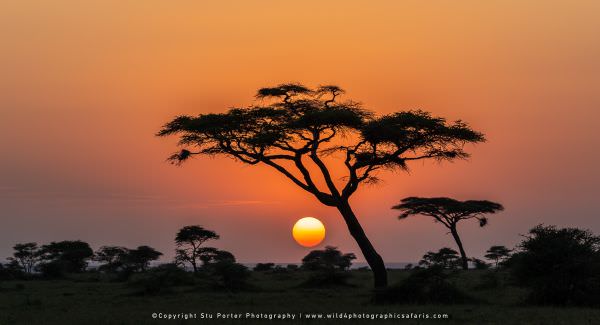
84, 85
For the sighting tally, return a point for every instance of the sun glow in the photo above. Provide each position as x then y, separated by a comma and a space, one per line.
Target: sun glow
308, 232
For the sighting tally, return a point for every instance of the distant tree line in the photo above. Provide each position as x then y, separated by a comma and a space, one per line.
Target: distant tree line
557, 266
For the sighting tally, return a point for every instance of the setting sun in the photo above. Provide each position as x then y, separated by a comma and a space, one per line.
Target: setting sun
308, 232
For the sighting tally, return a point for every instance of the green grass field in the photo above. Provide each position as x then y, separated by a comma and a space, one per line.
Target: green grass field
85, 300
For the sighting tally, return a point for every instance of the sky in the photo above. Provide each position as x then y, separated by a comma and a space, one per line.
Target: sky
85, 85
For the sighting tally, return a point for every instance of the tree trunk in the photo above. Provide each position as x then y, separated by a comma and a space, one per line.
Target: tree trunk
463, 255
373, 259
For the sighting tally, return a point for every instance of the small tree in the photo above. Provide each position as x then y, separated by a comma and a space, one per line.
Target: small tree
210, 255
301, 132
26, 255
70, 256
111, 257
449, 212
139, 259
446, 258
189, 240
497, 254
328, 259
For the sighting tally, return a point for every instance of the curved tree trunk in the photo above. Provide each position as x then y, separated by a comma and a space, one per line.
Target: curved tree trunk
373, 258
463, 255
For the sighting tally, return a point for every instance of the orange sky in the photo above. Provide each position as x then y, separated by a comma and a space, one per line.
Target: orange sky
84, 85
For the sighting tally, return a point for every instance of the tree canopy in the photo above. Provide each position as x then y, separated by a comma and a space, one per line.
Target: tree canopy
293, 121
446, 210
189, 240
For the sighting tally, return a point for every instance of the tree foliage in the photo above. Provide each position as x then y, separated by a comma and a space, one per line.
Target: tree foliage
497, 254
112, 258
26, 255
560, 265
446, 258
448, 211
69, 256
294, 123
329, 258
189, 240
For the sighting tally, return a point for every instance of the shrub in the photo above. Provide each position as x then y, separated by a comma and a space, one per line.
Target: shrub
160, 279
560, 266
11, 271
425, 286
263, 267
230, 275
328, 259
479, 264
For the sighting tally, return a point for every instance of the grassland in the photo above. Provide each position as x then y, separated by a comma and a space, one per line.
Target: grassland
90, 300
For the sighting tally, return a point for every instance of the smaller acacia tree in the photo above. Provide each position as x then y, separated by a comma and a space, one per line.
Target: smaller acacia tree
139, 259
26, 256
111, 257
446, 258
498, 254
67, 256
189, 242
449, 212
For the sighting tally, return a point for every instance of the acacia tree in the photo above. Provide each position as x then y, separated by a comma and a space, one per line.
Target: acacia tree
497, 254
189, 240
111, 257
26, 256
449, 212
139, 259
300, 132
445, 257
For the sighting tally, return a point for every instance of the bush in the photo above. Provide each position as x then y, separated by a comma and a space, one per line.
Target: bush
52, 270
263, 267
11, 271
560, 266
161, 279
425, 286
328, 259
231, 276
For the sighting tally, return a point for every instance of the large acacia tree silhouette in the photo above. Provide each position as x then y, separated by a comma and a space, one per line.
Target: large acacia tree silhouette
302, 132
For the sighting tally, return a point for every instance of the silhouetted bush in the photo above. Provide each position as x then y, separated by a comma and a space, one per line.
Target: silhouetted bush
11, 271
445, 257
328, 259
561, 266
262, 267
479, 264
425, 286
292, 267
52, 270
160, 279
230, 275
